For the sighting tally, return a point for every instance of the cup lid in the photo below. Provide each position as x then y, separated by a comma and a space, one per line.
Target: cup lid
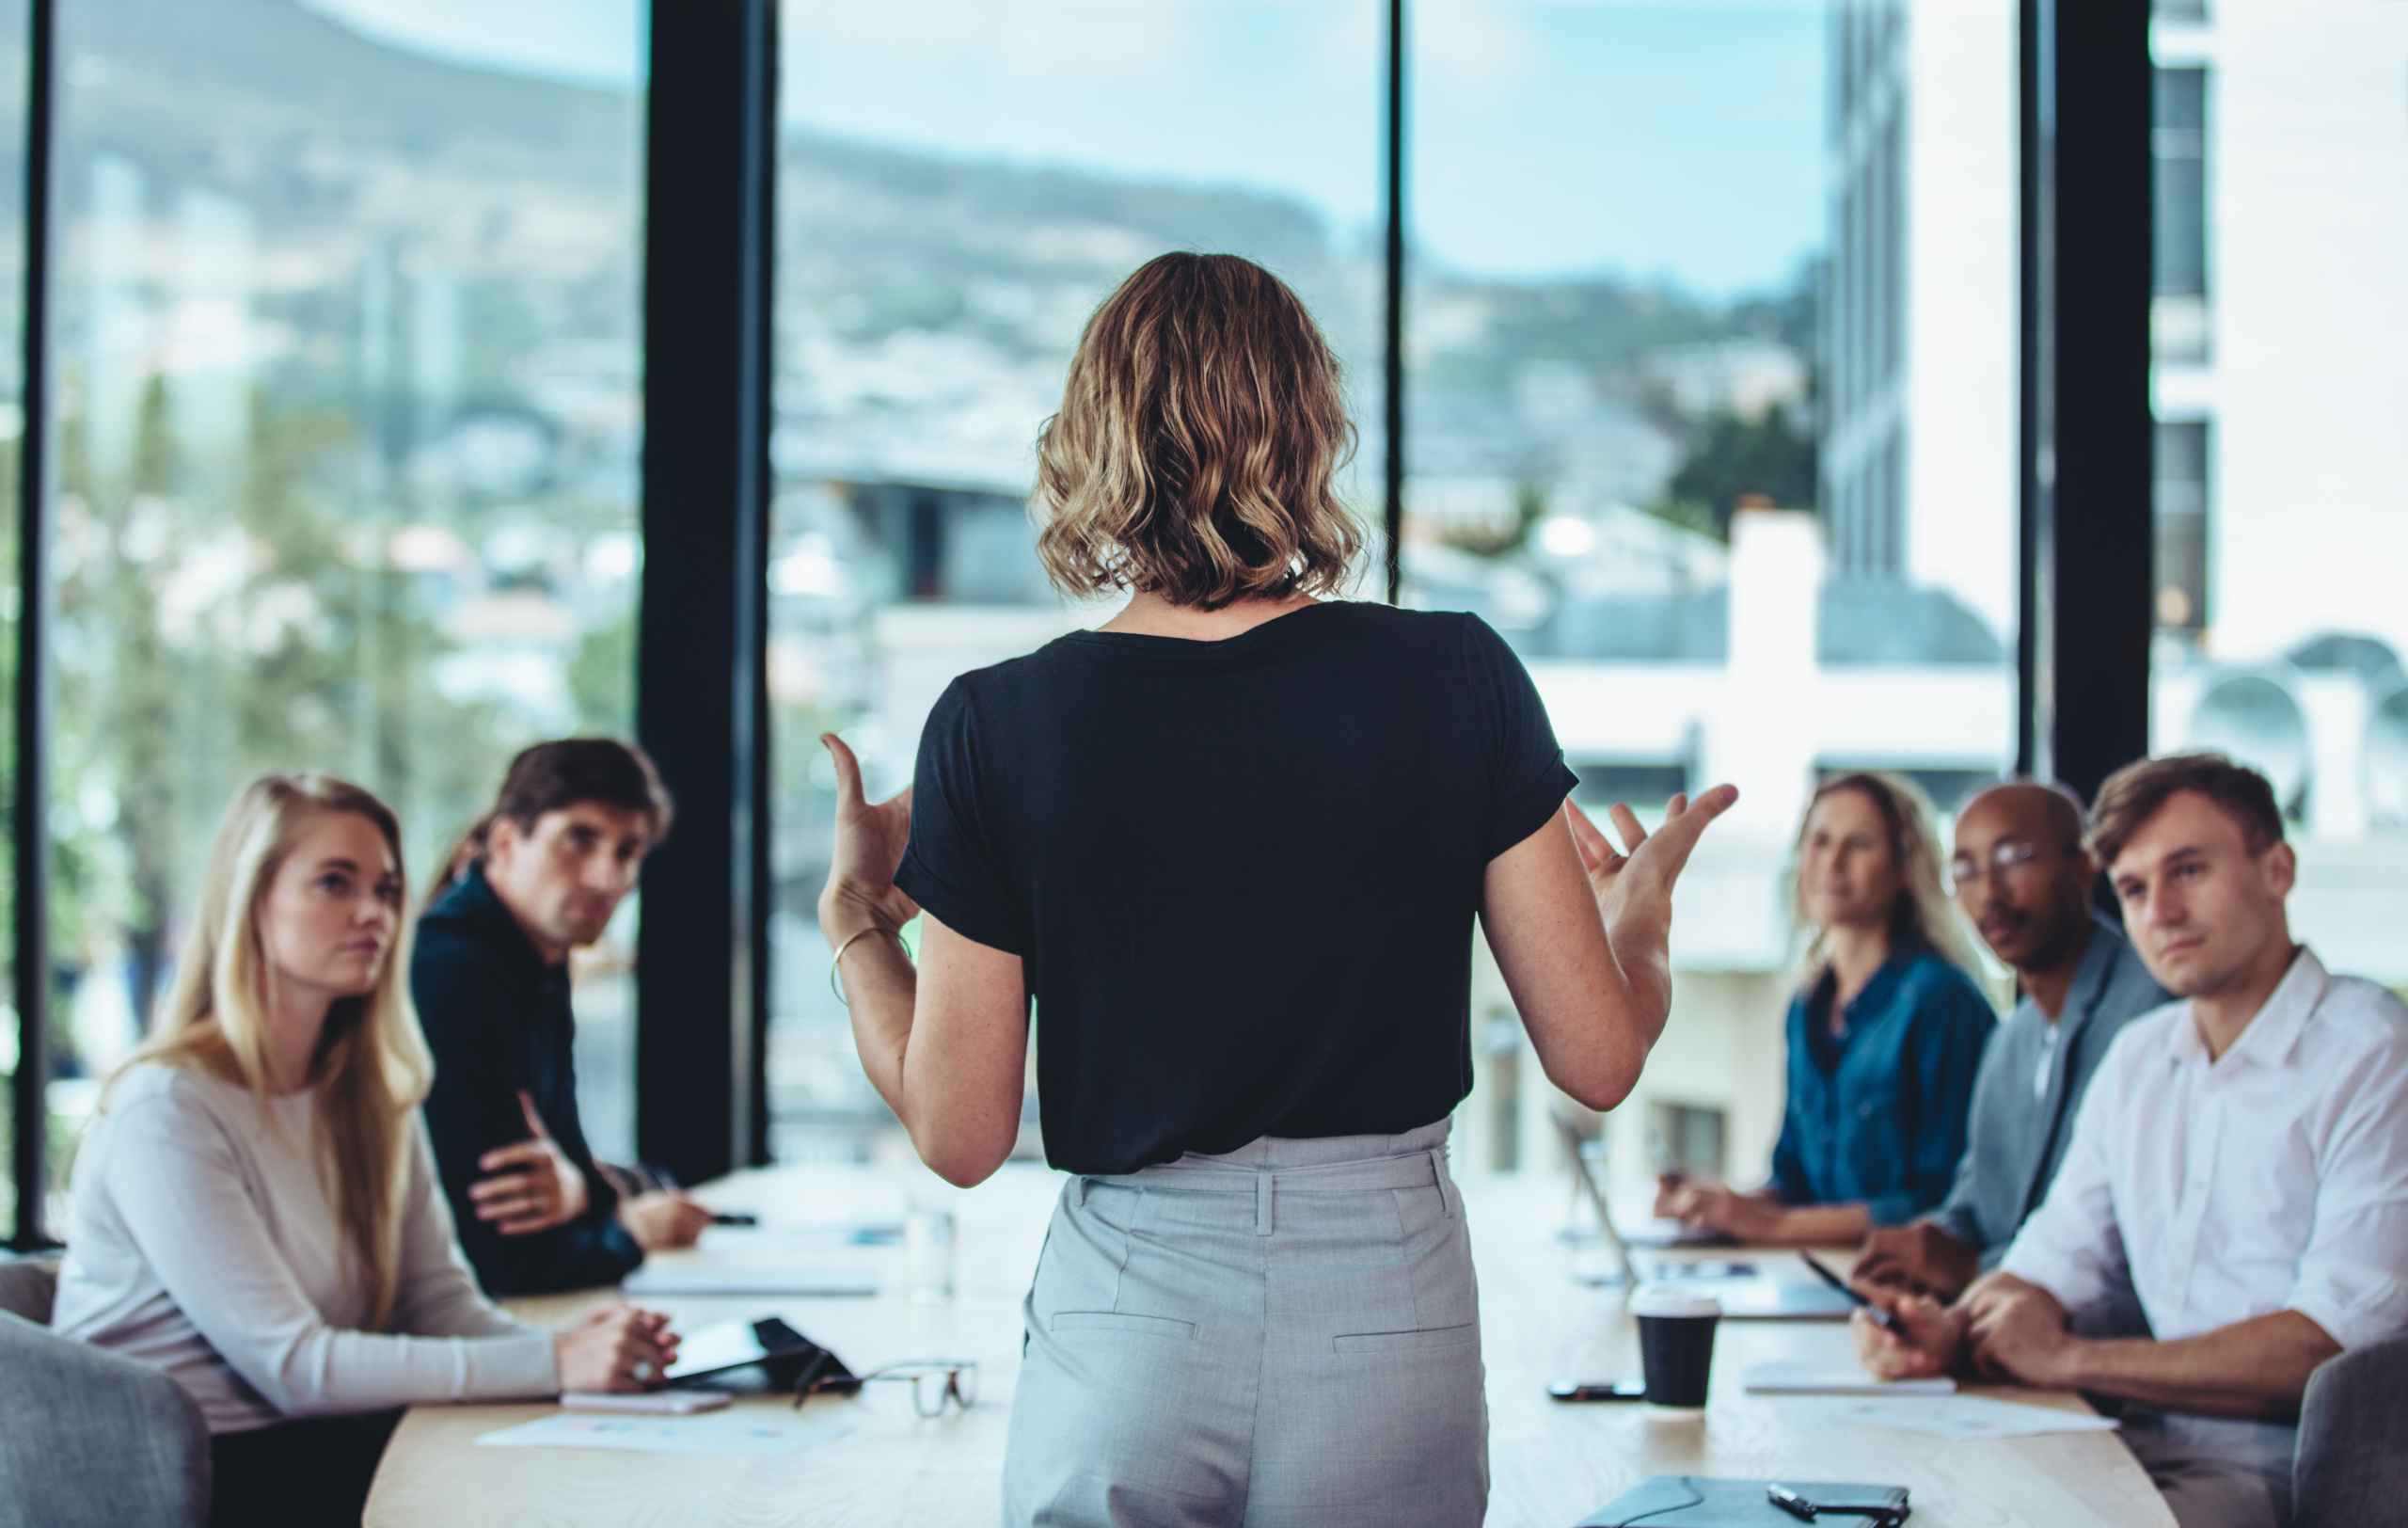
1671, 1300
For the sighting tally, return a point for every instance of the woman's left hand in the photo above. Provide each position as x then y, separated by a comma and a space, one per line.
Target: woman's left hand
1635, 885
870, 838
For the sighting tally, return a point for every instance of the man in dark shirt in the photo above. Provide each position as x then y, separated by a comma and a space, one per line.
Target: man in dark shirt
539, 876
2024, 880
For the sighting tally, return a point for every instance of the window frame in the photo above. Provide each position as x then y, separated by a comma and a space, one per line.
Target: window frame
2085, 582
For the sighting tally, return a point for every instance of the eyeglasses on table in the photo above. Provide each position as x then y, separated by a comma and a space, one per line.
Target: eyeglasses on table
935, 1384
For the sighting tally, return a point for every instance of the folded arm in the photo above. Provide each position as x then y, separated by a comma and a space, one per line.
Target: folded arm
475, 1112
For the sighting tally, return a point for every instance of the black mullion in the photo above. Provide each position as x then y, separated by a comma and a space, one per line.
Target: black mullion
1392, 367
753, 739
2035, 651
30, 815
2097, 465
700, 694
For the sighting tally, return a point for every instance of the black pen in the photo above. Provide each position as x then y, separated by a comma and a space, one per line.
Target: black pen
1880, 1318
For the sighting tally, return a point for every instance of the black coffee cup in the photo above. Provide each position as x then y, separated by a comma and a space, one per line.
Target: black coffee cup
1675, 1343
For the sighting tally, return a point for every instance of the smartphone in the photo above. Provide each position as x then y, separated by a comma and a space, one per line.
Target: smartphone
1886, 1505
674, 1403
1599, 1390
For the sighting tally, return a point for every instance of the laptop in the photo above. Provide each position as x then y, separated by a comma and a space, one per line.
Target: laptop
1744, 1296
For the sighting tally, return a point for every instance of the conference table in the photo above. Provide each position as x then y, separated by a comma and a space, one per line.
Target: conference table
1551, 1463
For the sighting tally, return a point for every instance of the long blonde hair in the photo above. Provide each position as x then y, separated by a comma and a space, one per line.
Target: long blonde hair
371, 1066
1923, 914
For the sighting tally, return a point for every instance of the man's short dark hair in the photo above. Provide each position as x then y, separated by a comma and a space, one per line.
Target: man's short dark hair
2137, 792
553, 776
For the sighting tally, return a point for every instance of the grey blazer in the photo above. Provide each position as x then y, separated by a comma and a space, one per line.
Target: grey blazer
2017, 1137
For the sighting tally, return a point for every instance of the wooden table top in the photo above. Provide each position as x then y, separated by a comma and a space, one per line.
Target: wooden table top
1551, 1464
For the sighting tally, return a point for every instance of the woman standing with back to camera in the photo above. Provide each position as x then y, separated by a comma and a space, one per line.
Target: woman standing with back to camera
1233, 843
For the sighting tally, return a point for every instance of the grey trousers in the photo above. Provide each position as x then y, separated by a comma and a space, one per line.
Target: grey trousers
2214, 1472
1282, 1336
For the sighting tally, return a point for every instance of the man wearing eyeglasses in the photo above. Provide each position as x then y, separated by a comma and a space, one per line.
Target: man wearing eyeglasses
2024, 879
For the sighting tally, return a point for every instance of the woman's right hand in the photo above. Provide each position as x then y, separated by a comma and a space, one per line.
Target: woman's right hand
614, 1348
870, 838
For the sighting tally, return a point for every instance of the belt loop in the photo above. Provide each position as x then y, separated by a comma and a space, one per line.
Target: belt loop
1263, 1195
1438, 1176
1079, 1186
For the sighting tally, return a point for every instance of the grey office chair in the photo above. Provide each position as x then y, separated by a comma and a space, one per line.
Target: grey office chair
89, 1439
2352, 1470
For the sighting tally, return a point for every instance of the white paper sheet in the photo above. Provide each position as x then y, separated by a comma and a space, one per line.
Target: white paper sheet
721, 1279
1795, 1378
754, 1430
1969, 1417
779, 1240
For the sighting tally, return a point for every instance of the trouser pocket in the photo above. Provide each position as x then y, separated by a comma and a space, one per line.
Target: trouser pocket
1466, 1335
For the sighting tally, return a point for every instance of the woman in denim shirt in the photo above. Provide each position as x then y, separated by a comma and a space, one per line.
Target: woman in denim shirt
1884, 1039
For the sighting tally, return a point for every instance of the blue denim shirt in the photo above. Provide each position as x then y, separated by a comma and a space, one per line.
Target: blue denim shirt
1878, 1113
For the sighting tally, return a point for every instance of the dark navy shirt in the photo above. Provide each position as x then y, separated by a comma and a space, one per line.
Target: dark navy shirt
1877, 1112
498, 1019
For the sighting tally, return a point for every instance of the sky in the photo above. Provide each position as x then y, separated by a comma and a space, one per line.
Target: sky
1680, 140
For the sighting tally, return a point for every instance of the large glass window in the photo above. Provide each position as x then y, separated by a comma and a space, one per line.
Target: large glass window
348, 373
2178, 260
2281, 452
1711, 412
13, 22
961, 182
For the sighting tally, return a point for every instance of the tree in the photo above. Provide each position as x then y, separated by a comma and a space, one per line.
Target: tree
1730, 457
215, 623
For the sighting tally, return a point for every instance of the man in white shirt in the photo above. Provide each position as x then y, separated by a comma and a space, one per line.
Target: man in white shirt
2242, 1156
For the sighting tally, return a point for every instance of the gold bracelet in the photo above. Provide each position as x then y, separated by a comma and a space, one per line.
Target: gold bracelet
834, 983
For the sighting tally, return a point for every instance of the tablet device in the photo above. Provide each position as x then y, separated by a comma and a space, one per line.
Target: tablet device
732, 1345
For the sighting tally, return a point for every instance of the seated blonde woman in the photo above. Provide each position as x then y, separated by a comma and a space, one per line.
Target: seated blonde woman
256, 1210
1885, 1037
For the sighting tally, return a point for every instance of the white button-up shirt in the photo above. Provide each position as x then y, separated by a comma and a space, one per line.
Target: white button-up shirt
2275, 1178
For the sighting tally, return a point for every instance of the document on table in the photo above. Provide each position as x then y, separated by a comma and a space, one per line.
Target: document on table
757, 1241
710, 1277
1969, 1417
1795, 1378
742, 1430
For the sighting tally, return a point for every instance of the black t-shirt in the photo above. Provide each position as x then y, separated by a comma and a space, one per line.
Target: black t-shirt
1242, 874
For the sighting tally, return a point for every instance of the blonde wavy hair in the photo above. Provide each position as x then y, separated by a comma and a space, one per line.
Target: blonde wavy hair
1201, 432
1924, 914
371, 1068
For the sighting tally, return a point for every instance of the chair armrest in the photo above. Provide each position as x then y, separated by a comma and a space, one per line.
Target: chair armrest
2352, 1467
27, 1287
91, 1438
